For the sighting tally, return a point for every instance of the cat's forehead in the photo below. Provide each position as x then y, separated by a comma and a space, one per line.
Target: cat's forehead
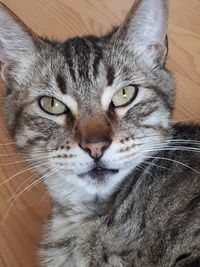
79, 67
87, 65
83, 56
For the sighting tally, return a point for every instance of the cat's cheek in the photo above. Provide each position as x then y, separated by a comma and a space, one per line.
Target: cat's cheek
24, 135
34, 109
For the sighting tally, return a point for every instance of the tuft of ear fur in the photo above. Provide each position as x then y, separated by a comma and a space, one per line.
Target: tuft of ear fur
17, 42
145, 29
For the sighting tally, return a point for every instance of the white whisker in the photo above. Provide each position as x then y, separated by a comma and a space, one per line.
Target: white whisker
173, 148
153, 164
14, 197
25, 160
32, 153
175, 161
189, 141
45, 194
8, 144
24, 170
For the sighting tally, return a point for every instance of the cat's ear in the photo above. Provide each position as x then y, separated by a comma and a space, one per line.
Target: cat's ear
144, 30
17, 42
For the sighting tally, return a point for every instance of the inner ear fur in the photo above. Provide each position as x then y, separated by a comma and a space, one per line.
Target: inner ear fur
144, 30
17, 41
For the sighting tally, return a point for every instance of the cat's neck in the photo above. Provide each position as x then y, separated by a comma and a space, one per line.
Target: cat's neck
77, 192
79, 204
79, 210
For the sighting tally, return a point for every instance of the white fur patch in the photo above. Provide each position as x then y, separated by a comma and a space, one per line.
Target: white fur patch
107, 97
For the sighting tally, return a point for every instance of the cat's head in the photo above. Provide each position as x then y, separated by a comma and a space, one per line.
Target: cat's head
88, 110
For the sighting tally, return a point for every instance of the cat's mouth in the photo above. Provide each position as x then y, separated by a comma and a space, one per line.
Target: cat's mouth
99, 173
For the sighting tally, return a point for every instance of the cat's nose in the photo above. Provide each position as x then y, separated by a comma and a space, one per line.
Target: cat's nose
95, 147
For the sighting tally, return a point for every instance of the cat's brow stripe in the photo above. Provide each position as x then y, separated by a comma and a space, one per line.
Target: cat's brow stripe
110, 76
82, 52
80, 59
98, 53
68, 57
61, 84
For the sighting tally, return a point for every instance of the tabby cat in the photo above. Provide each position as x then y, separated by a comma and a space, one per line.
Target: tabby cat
96, 114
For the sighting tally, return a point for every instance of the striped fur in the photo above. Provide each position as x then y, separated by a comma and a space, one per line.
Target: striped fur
144, 211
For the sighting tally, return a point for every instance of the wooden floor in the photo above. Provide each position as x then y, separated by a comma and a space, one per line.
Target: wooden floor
21, 221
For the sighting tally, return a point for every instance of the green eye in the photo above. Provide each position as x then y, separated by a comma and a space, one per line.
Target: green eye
52, 106
125, 96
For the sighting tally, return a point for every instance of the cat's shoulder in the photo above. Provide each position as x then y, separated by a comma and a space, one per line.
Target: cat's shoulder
186, 131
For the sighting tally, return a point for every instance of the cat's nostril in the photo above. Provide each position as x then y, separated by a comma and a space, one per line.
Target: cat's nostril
95, 147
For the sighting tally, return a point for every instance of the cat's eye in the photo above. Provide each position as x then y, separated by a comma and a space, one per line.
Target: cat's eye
52, 106
125, 96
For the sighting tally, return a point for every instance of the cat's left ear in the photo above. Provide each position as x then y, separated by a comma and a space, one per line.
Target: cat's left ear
17, 43
144, 30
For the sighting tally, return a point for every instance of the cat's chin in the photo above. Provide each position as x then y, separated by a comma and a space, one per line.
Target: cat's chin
74, 188
98, 174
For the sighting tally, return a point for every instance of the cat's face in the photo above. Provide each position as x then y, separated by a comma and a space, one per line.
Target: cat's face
89, 110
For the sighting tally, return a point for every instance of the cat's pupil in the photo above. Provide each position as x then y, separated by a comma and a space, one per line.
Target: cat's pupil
124, 93
52, 102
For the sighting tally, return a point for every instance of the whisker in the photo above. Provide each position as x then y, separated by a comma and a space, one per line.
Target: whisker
21, 154
181, 148
37, 181
30, 178
45, 194
22, 171
7, 144
189, 141
167, 146
139, 167
153, 164
14, 197
25, 160
175, 161
27, 180
146, 169
178, 121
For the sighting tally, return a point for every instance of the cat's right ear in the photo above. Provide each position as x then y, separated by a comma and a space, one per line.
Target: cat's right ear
17, 43
144, 31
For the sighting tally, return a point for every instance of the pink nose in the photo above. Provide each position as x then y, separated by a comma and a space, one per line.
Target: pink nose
95, 147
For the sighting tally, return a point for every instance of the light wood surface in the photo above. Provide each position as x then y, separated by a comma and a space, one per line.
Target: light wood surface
21, 223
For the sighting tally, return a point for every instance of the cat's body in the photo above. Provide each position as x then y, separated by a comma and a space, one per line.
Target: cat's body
93, 116
152, 220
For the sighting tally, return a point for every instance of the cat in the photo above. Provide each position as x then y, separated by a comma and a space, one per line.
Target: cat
95, 113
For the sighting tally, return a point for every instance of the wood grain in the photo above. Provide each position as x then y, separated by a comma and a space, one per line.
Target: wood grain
20, 231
